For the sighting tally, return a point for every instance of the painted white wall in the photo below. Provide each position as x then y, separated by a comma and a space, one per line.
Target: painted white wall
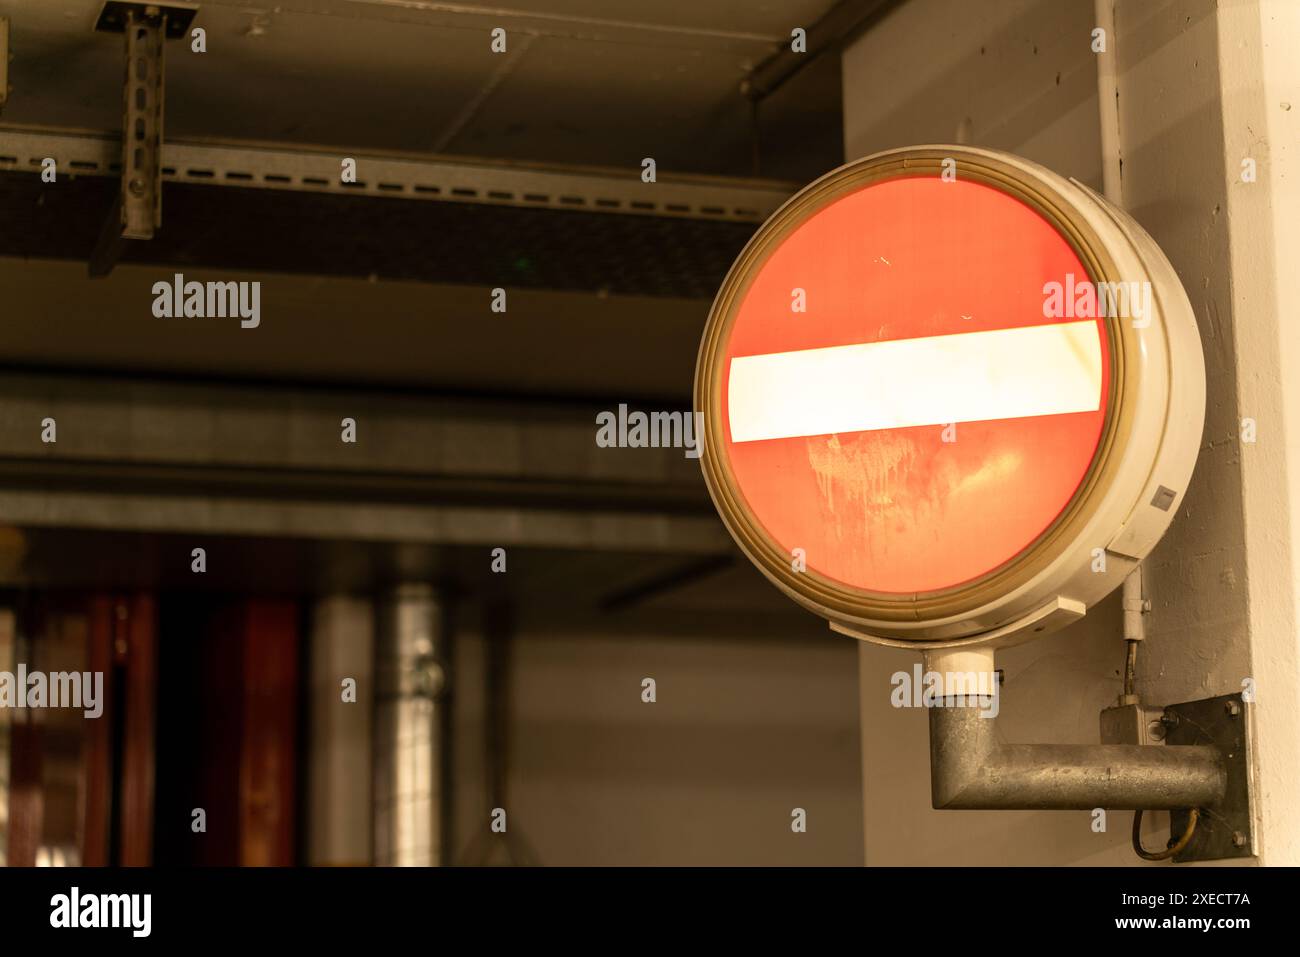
1013, 74
1259, 84
1199, 88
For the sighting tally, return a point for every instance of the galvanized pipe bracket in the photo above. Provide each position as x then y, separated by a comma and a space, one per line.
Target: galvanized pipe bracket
1203, 763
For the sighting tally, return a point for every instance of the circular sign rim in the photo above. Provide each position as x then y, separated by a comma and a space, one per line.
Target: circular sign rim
1033, 186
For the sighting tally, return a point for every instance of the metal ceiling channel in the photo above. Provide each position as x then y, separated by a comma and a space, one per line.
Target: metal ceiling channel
406, 177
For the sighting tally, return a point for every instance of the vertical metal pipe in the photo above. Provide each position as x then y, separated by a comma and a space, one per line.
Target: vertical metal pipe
1108, 105
411, 652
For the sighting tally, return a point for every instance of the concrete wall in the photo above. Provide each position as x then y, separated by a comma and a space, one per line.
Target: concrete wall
742, 732
1259, 88
1015, 74
1199, 88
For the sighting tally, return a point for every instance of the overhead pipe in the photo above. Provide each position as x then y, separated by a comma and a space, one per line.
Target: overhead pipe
1112, 162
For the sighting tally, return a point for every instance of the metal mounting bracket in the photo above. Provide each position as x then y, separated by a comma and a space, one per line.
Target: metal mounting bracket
1225, 829
137, 213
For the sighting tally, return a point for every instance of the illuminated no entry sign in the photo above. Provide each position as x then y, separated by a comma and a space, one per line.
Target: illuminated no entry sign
948, 396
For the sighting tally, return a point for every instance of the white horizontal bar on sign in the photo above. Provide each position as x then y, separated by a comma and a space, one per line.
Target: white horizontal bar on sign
969, 377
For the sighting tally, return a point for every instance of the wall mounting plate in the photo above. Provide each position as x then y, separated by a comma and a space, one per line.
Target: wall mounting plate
178, 16
1224, 831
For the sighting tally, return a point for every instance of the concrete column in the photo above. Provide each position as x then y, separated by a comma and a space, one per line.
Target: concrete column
339, 828
1209, 114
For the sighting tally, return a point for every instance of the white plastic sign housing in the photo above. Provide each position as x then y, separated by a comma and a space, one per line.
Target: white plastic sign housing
950, 397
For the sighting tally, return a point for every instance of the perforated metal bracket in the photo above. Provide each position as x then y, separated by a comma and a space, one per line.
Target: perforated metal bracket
1224, 830
138, 210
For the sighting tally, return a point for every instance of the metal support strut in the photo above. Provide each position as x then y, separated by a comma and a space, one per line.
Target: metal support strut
142, 120
137, 212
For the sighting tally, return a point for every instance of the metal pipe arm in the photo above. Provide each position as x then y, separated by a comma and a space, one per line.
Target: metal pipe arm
969, 769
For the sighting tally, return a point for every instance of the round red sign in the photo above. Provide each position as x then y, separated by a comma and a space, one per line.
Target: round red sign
913, 384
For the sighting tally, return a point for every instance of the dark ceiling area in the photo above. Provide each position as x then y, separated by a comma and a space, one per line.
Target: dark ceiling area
581, 82
371, 293
583, 88
440, 242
